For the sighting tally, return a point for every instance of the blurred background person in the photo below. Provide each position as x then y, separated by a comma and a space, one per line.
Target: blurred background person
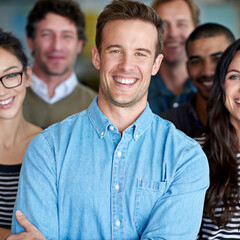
221, 218
15, 131
55, 35
171, 85
204, 48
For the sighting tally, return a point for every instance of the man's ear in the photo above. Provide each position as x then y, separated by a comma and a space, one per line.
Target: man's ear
95, 58
188, 68
156, 64
28, 76
30, 44
80, 46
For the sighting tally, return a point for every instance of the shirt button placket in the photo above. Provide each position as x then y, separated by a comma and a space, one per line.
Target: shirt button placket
117, 194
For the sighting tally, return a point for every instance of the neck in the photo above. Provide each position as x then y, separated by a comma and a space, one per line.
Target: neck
52, 81
201, 108
121, 117
12, 130
174, 76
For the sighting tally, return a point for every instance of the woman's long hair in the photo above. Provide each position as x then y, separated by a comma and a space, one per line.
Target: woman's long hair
221, 147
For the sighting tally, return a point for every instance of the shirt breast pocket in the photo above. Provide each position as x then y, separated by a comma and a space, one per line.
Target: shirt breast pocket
148, 192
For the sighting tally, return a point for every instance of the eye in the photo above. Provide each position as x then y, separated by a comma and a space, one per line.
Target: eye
46, 35
11, 75
165, 25
195, 61
68, 36
216, 59
115, 51
234, 77
140, 54
182, 24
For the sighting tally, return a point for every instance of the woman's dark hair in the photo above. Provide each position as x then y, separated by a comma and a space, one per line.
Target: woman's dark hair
221, 147
13, 45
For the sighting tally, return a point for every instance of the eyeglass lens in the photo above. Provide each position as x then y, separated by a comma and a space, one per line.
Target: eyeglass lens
12, 80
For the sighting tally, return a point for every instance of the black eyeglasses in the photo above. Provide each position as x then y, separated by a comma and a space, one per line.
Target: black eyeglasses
12, 80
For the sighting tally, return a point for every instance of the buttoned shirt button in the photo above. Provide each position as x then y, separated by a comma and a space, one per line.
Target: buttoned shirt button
117, 223
102, 133
111, 128
116, 187
137, 136
175, 104
119, 154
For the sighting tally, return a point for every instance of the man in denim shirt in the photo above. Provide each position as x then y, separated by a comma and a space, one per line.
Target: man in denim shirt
116, 170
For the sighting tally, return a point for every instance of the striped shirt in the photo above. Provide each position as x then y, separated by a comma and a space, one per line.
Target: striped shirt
9, 175
209, 230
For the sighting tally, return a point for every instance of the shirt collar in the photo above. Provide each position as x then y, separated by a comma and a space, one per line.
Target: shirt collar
64, 89
102, 124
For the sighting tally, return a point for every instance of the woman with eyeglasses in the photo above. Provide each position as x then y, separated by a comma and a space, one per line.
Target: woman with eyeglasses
15, 131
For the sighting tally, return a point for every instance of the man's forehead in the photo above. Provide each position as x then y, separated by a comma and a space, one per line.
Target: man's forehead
213, 42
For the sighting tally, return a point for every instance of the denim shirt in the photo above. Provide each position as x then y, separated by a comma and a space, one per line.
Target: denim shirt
82, 179
161, 99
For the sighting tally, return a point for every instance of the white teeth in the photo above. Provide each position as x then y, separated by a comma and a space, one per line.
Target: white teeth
125, 81
208, 84
172, 45
5, 102
238, 101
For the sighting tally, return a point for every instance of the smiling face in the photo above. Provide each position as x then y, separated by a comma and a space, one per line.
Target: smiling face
11, 99
232, 90
178, 25
203, 56
55, 46
126, 62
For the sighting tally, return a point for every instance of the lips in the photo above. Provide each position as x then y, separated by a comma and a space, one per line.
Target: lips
125, 80
171, 45
5, 102
207, 82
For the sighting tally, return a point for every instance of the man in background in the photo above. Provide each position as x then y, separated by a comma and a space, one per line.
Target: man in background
171, 85
55, 35
204, 47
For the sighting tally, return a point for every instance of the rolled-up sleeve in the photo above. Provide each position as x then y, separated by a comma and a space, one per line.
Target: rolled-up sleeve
37, 191
178, 213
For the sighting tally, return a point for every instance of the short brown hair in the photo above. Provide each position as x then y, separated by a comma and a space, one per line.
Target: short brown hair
192, 5
65, 8
129, 10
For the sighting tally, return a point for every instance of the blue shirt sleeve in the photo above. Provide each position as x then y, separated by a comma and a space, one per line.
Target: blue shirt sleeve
38, 188
178, 214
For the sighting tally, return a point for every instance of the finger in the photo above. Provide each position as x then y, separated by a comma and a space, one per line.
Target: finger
15, 237
23, 221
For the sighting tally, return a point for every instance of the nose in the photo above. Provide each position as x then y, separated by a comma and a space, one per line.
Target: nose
126, 63
208, 68
57, 42
171, 30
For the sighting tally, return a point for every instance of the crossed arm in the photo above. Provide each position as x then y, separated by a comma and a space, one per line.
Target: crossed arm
31, 232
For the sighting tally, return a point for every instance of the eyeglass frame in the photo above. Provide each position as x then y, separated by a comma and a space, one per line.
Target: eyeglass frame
21, 73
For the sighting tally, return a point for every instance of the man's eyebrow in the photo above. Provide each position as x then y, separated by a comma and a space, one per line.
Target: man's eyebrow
194, 56
144, 50
113, 46
52, 30
119, 46
211, 55
216, 54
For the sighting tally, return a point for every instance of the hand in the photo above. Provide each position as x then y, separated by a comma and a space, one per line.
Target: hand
31, 232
